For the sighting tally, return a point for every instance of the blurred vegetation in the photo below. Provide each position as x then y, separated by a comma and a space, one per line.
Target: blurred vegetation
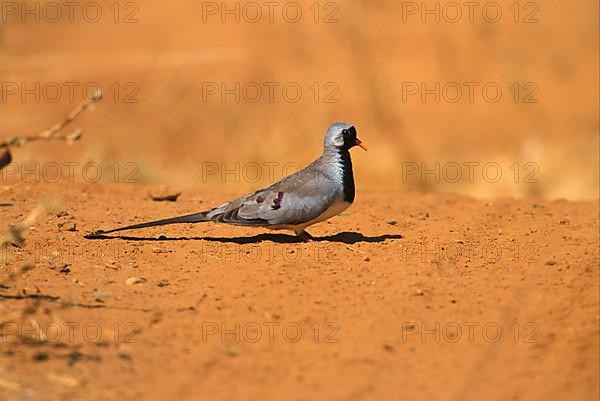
164, 62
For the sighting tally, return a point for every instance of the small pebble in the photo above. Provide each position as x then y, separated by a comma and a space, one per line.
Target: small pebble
135, 280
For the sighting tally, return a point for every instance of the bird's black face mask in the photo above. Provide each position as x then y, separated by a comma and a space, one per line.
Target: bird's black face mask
351, 140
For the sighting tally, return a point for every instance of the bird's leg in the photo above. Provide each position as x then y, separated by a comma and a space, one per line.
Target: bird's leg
304, 236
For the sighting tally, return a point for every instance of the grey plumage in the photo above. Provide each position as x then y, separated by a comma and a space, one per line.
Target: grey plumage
321, 190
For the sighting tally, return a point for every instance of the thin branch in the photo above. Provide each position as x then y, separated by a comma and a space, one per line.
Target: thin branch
30, 296
51, 133
64, 304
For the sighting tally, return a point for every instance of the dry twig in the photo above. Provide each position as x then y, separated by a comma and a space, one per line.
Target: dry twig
52, 133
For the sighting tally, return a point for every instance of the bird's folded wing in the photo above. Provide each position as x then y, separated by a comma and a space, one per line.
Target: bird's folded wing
286, 202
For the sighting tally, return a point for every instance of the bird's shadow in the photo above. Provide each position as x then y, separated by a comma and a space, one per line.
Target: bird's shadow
344, 237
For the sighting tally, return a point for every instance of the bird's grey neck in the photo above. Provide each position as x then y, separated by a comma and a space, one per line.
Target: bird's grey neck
332, 151
340, 164
336, 159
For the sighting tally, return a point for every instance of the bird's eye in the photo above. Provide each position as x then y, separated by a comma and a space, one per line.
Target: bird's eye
345, 132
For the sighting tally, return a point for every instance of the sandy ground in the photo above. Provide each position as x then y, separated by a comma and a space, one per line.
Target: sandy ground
409, 295
405, 296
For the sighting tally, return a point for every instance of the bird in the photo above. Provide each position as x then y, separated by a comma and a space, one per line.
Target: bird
323, 189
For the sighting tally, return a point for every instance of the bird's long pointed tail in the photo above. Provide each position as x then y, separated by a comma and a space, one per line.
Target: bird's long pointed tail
189, 218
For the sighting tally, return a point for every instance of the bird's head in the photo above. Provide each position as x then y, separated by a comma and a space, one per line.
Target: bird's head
342, 136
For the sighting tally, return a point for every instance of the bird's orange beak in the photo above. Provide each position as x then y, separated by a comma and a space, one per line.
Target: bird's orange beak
361, 144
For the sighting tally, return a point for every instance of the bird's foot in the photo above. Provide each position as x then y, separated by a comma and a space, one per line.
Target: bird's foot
304, 236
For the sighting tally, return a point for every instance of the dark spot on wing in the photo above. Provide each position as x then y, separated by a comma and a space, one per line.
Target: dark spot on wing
260, 199
277, 201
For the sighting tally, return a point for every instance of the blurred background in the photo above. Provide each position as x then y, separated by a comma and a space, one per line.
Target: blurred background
437, 87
